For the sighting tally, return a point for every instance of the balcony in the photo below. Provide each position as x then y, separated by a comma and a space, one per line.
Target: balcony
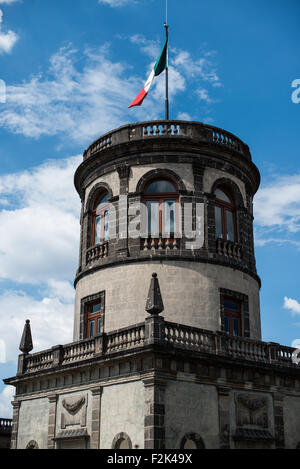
5, 426
195, 131
229, 249
170, 336
160, 244
97, 252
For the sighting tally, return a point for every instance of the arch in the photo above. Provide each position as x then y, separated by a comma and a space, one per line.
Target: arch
232, 188
192, 438
95, 193
32, 445
160, 174
122, 439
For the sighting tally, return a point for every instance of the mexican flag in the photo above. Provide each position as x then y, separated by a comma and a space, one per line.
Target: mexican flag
159, 67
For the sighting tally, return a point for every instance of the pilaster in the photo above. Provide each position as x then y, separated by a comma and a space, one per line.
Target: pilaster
96, 417
154, 413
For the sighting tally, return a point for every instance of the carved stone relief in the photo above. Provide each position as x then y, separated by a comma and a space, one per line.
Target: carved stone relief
74, 411
251, 411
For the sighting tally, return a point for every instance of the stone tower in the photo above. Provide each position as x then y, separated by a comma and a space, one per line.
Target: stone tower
170, 168
166, 235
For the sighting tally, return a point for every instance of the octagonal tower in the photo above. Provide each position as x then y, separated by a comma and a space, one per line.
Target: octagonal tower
172, 167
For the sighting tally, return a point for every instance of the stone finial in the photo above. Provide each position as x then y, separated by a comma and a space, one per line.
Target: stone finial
26, 344
154, 305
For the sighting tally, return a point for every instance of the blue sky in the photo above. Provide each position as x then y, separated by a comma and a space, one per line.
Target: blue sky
71, 69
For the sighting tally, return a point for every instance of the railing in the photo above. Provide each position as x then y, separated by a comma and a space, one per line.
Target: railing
229, 249
196, 131
97, 252
160, 244
6, 424
189, 337
125, 339
39, 361
157, 331
78, 351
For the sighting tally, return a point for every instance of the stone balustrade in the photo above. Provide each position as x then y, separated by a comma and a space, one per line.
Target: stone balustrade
196, 131
229, 249
97, 252
160, 244
125, 339
169, 335
5, 424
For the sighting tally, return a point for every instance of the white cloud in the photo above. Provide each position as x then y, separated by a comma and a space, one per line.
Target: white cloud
51, 321
6, 397
296, 343
39, 223
8, 2
39, 232
278, 204
117, 3
85, 103
184, 116
292, 305
7, 39
81, 104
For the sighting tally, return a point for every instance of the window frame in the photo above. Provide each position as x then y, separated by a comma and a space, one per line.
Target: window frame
86, 303
161, 198
96, 213
226, 207
231, 314
94, 317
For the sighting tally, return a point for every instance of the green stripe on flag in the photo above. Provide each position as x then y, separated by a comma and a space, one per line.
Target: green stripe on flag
161, 64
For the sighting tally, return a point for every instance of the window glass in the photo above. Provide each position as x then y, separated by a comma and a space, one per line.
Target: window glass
231, 305
99, 324
226, 324
230, 226
103, 201
153, 217
222, 196
218, 218
236, 327
98, 226
158, 187
106, 226
96, 308
91, 329
169, 216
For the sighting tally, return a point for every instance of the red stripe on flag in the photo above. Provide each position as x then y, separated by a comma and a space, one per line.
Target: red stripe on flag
139, 99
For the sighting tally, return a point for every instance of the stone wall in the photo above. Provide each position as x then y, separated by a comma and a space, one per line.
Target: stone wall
190, 291
33, 423
191, 409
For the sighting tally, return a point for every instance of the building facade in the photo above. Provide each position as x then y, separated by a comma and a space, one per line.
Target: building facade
167, 349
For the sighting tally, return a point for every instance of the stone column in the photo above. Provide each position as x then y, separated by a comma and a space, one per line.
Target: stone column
224, 417
96, 417
154, 413
14, 434
52, 420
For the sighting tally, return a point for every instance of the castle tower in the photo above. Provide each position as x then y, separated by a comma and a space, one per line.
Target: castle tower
167, 349
178, 171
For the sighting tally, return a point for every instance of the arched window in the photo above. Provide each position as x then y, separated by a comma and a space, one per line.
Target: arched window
122, 441
225, 216
192, 441
161, 198
100, 233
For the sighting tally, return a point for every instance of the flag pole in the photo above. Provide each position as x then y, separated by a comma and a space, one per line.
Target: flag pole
167, 75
